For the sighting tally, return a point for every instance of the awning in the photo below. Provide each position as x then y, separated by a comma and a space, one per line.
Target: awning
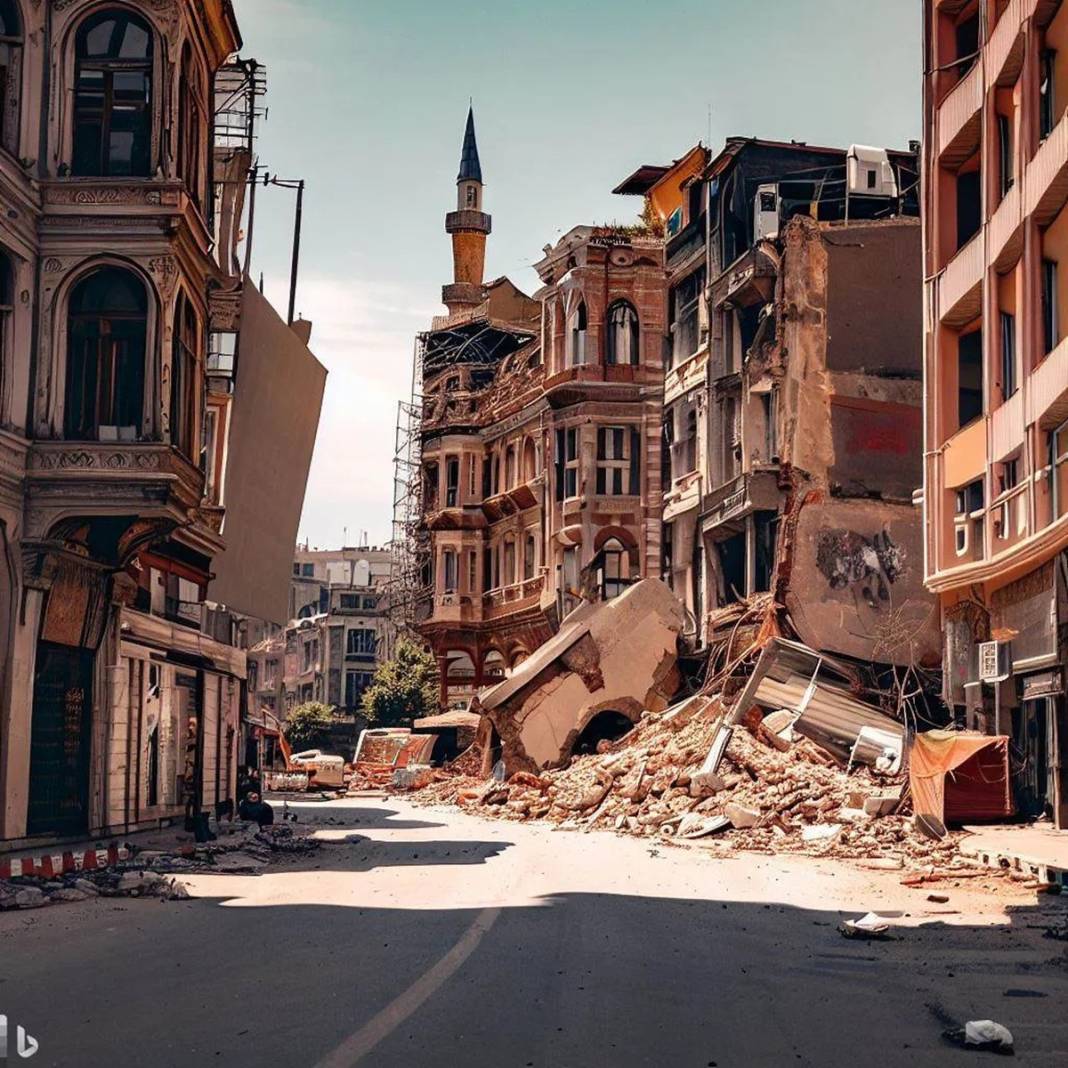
960, 776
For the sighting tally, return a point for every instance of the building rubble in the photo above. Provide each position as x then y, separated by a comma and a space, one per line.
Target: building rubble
241, 848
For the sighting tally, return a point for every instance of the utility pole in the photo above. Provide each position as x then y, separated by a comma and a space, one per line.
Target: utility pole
296, 251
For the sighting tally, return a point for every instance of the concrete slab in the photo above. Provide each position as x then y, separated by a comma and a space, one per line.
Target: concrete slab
1038, 850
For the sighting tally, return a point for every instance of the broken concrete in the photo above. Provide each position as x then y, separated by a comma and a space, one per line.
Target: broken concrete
615, 658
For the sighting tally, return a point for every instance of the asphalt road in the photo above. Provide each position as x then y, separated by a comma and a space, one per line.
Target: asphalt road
419, 937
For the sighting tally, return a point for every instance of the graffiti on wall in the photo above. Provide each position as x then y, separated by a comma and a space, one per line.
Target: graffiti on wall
867, 565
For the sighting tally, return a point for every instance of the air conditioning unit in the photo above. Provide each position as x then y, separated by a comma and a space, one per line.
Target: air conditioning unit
995, 661
868, 172
766, 208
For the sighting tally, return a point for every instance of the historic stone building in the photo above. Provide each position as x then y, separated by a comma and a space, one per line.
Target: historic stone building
119, 692
540, 439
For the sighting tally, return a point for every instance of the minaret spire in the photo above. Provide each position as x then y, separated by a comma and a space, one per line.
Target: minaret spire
469, 226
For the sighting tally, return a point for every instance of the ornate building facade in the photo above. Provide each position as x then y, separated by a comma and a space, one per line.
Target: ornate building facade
117, 707
540, 439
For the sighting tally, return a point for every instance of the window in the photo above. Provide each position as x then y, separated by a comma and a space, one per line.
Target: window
355, 683
508, 568
969, 377
567, 463
614, 572
1050, 321
362, 642
191, 127
270, 674
452, 482
106, 357
617, 460
184, 376
1005, 168
509, 467
770, 410
472, 572
430, 486
113, 97
1008, 354
969, 204
577, 336
684, 301
450, 565
296, 569
1046, 103
370, 603
348, 602
310, 654
966, 34
222, 352
622, 335
530, 556
10, 74
307, 570
1058, 470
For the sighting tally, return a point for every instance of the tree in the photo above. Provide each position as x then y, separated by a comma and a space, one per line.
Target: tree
308, 726
403, 689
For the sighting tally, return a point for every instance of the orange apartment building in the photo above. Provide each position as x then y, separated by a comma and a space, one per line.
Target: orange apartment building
996, 372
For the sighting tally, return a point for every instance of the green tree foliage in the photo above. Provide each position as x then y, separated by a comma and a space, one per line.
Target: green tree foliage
403, 689
308, 726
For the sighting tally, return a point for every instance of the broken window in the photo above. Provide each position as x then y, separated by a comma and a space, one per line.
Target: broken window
684, 305
10, 73
576, 336
617, 461
430, 486
732, 568
185, 376
567, 463
1050, 320
113, 96
622, 334
969, 377
106, 357
765, 529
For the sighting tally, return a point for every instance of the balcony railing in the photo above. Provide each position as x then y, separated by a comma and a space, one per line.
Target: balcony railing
1009, 517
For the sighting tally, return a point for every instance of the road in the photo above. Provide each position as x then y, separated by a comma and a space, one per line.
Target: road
423, 937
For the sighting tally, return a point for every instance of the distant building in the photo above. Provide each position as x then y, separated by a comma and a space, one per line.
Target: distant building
339, 632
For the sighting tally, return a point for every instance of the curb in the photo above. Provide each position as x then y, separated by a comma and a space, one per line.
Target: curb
47, 865
1008, 860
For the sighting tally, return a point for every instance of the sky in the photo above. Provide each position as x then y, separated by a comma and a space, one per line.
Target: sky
367, 101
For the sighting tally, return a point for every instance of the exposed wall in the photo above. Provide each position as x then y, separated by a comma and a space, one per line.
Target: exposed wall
275, 420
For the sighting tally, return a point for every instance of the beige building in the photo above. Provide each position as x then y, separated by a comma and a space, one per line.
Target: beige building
120, 690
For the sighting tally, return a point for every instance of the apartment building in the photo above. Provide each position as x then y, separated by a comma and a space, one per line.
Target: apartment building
120, 688
996, 372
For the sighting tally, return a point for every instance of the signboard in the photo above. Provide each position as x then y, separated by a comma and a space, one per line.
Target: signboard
1043, 684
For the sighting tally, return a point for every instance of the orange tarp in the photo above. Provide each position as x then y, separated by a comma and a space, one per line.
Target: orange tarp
960, 776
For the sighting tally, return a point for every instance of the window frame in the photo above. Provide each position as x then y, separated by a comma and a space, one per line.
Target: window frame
628, 328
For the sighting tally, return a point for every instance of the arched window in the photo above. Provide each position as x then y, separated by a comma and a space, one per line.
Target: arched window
10, 74
191, 128
509, 468
106, 357
185, 376
622, 334
614, 570
577, 336
113, 96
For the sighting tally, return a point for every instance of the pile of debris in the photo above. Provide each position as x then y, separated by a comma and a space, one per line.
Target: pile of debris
244, 848
764, 793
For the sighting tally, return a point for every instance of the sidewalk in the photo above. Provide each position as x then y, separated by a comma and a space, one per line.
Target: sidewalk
1036, 849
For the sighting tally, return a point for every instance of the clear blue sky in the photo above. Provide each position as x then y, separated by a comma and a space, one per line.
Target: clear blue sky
367, 102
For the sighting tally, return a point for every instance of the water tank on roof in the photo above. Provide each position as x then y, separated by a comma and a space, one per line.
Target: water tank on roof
868, 172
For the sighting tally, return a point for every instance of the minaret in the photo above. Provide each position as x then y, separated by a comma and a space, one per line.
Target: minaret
468, 225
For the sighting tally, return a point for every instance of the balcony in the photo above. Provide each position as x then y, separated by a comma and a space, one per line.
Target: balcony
959, 119
1007, 427
145, 479
1004, 51
684, 495
1008, 515
1046, 176
960, 288
1047, 389
519, 595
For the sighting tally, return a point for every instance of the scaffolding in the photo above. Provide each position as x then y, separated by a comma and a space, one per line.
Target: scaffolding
409, 588
240, 86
